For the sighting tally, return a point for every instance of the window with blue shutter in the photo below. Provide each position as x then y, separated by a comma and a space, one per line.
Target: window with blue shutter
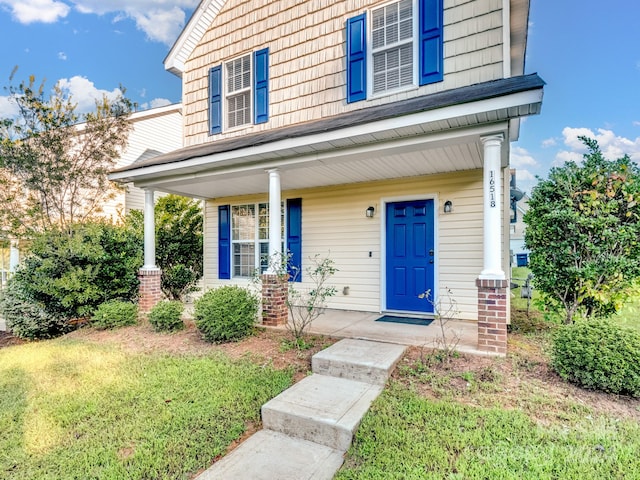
391, 36
356, 58
224, 242
261, 86
294, 238
215, 100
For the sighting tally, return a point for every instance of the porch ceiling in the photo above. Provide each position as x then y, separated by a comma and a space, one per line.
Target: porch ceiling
421, 136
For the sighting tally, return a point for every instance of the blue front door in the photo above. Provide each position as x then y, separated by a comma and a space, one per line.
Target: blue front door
410, 255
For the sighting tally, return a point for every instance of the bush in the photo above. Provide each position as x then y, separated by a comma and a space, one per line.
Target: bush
226, 314
166, 316
25, 318
598, 354
71, 272
115, 313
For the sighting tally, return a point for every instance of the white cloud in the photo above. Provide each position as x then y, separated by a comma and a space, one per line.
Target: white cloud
8, 109
30, 11
159, 102
62, 56
84, 93
612, 145
549, 142
520, 158
160, 20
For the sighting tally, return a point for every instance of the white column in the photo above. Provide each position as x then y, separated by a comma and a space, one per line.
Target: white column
14, 256
275, 227
492, 208
149, 230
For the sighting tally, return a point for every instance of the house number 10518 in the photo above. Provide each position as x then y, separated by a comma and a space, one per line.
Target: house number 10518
492, 189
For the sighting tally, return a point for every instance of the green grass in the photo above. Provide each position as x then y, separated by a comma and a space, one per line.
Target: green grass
405, 436
73, 410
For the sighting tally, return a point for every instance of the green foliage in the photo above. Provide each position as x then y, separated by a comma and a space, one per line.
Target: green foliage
178, 223
114, 314
167, 316
53, 171
583, 230
71, 272
25, 318
226, 313
600, 355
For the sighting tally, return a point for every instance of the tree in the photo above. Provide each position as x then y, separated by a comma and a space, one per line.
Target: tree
53, 161
583, 230
178, 243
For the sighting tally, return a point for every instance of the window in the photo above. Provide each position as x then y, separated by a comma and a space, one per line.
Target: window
239, 92
398, 46
392, 46
250, 238
243, 238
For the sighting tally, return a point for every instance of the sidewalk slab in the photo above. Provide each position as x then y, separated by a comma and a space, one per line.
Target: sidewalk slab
361, 360
269, 455
322, 409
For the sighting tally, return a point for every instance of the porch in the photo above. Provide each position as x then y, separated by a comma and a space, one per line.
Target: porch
363, 325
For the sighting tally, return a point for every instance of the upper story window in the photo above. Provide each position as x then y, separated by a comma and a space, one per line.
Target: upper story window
399, 45
239, 92
392, 46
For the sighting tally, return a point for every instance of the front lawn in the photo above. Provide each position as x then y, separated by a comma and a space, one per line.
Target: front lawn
77, 409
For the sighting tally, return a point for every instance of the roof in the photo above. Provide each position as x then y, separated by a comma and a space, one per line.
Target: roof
458, 96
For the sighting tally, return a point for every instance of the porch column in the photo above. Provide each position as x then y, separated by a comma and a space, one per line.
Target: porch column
492, 208
274, 283
491, 283
149, 274
275, 227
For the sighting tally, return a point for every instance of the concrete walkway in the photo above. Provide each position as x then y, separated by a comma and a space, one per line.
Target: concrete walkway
309, 427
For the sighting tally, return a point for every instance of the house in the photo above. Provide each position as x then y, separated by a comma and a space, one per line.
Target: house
519, 206
374, 132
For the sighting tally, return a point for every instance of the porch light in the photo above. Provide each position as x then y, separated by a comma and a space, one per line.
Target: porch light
370, 211
448, 206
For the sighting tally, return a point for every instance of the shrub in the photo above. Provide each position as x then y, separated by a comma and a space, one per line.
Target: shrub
166, 316
71, 272
226, 314
26, 318
115, 313
598, 354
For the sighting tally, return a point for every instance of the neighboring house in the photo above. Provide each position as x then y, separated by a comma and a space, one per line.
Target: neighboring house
519, 206
153, 132
377, 132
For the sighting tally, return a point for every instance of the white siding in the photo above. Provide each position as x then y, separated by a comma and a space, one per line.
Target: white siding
306, 40
334, 224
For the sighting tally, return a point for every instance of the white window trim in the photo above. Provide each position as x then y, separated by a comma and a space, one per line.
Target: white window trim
226, 95
416, 60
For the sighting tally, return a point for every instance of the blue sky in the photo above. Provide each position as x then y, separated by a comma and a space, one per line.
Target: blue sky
587, 52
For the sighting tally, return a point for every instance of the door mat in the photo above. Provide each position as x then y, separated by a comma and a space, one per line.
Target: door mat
407, 320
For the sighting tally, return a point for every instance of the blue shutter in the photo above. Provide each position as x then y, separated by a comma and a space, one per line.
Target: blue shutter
431, 39
215, 100
357, 58
294, 238
261, 86
224, 241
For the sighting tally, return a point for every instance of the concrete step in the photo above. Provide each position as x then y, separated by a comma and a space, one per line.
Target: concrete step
269, 455
360, 360
322, 409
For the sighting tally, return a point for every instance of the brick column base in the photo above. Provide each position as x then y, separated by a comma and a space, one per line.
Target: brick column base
274, 299
150, 292
492, 315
